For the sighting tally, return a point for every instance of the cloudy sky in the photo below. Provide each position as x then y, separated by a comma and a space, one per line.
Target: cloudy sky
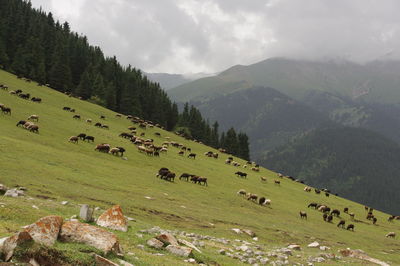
188, 36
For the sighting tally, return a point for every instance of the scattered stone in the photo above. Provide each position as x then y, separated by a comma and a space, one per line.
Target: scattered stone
191, 260
264, 261
140, 246
168, 239
158, 254
255, 238
12, 242
33, 262
359, 254
318, 259
45, 230
35, 207
86, 213
187, 243
179, 251
14, 193
294, 246
139, 235
3, 189
100, 261
147, 197
90, 235
114, 219
125, 263
130, 219
155, 243
237, 230
286, 251
182, 206
243, 248
314, 244
64, 202
249, 232
251, 261
222, 251
323, 248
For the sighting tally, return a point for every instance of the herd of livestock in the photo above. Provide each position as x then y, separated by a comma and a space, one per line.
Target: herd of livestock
147, 146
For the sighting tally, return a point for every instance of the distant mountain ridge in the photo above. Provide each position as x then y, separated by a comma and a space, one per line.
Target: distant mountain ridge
168, 81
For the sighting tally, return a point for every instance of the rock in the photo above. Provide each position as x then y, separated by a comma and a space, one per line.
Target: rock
179, 251
168, 239
237, 230
140, 246
90, 235
139, 235
86, 213
359, 254
318, 259
264, 261
187, 243
125, 263
97, 208
130, 219
294, 246
33, 262
286, 251
45, 230
114, 219
249, 232
244, 248
64, 202
323, 248
314, 244
155, 243
100, 261
191, 260
14, 193
255, 238
12, 242
222, 251
35, 207
251, 261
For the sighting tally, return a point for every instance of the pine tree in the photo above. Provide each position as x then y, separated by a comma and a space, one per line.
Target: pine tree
84, 88
243, 146
231, 142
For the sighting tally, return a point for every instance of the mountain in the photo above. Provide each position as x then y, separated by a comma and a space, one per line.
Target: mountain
268, 117
356, 163
376, 81
54, 170
168, 81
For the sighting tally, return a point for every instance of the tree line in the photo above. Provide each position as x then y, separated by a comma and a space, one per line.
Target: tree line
34, 45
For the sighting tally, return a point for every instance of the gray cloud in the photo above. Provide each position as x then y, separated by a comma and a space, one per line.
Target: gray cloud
181, 36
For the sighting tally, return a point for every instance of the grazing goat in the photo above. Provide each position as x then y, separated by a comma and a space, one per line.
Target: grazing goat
313, 204
82, 136
350, 227
34, 118
21, 122
192, 155
241, 192
335, 212
263, 179
341, 223
252, 197
76, 117
89, 138
241, 174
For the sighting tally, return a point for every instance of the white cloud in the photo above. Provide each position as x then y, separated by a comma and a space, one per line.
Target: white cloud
185, 36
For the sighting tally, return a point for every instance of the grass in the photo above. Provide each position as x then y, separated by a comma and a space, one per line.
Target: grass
54, 170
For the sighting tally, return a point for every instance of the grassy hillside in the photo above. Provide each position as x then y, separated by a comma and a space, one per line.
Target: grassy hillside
54, 170
356, 163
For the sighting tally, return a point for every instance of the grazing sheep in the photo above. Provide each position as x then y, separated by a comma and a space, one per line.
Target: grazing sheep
203, 180
366, 208
118, 115
326, 194
241, 192
34, 118
391, 218
317, 191
121, 150
76, 117
102, 117
341, 223
163, 171
89, 138
350, 227
252, 197
25, 96
227, 161
82, 136
263, 179
374, 220
66, 108
21, 122
307, 189
98, 124
73, 139
192, 155
335, 212
325, 216
255, 169
6, 110
277, 182
346, 210
391, 234
261, 200
89, 121
352, 216
169, 176
241, 174
105, 126
33, 128
185, 176
103, 148
313, 204
329, 218
303, 215
181, 153
36, 100
194, 179
370, 216
114, 151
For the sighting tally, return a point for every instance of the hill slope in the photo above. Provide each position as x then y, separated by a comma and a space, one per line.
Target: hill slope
54, 170
356, 163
